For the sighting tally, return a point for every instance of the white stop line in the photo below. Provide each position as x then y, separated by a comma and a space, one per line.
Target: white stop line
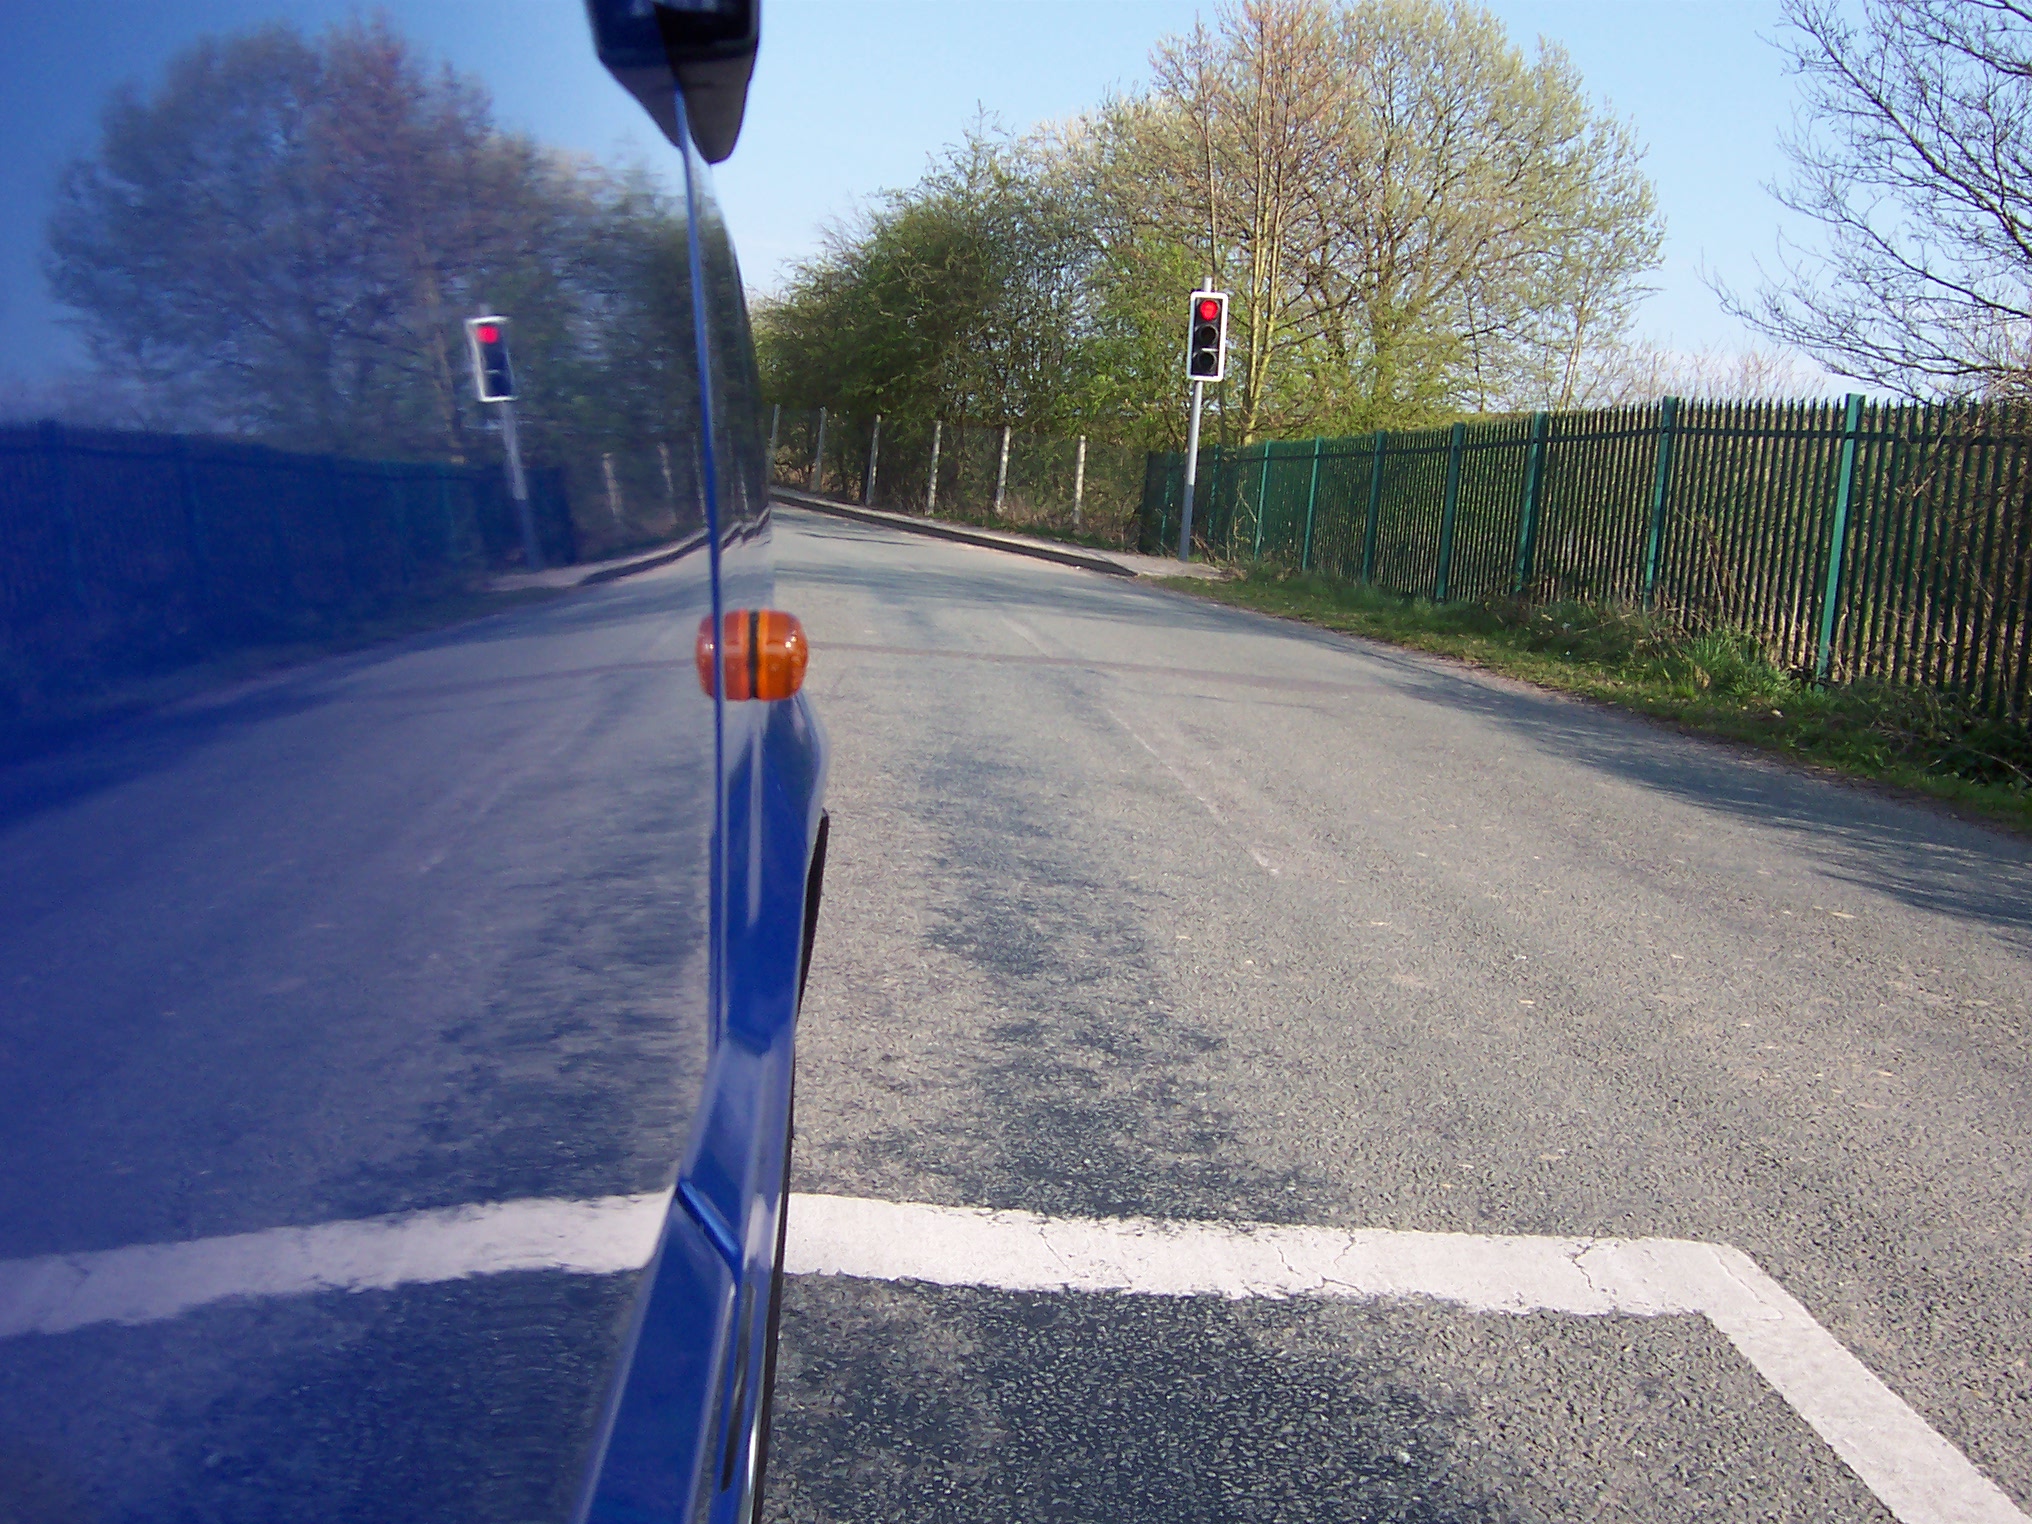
1917, 1474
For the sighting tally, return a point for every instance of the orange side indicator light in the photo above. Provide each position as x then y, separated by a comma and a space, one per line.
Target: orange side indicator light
765, 654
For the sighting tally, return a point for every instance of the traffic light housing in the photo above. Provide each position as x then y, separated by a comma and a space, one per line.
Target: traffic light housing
1206, 346
493, 376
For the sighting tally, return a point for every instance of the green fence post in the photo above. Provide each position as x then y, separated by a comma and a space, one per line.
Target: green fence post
1453, 453
1375, 506
1311, 497
398, 519
194, 530
1661, 493
1172, 486
1838, 533
1262, 498
1174, 506
1534, 481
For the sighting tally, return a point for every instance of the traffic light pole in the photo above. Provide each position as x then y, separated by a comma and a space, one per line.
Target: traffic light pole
1191, 473
518, 487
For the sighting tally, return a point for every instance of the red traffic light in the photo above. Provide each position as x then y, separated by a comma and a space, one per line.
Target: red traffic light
488, 334
1209, 309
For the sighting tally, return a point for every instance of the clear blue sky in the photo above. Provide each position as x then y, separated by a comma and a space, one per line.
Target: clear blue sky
852, 95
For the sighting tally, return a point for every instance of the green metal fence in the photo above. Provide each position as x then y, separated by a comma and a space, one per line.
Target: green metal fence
1851, 538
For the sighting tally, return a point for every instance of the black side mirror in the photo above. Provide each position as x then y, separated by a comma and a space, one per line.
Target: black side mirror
706, 48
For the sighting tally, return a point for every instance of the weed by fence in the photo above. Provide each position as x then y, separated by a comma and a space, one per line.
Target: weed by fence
984, 474
1849, 539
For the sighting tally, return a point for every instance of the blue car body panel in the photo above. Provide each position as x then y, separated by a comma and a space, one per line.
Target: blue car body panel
683, 1424
507, 916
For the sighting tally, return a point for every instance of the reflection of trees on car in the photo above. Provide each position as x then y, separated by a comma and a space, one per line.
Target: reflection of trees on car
285, 237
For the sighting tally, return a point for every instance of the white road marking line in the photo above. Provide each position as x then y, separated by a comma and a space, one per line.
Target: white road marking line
1914, 1472
147, 1283
1183, 781
1024, 632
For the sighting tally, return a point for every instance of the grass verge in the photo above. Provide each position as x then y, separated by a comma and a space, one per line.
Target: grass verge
36, 715
1716, 682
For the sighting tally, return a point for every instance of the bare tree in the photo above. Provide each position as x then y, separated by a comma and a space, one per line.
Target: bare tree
1262, 100
1914, 157
1624, 374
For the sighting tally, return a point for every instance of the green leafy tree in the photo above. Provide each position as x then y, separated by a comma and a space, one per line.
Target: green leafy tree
952, 300
1414, 220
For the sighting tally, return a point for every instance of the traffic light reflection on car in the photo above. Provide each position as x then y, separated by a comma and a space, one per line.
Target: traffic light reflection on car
493, 375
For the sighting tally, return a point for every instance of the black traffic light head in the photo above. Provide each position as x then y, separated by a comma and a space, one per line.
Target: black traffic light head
493, 377
1206, 346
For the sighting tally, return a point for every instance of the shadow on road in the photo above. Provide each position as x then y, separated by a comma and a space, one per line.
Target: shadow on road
1857, 834
929, 1403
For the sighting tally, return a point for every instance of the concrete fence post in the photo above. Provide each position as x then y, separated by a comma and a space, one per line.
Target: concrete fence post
1002, 472
1079, 479
613, 485
874, 456
931, 491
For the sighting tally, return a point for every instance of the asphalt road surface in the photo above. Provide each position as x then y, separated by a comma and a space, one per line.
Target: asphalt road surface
1140, 907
